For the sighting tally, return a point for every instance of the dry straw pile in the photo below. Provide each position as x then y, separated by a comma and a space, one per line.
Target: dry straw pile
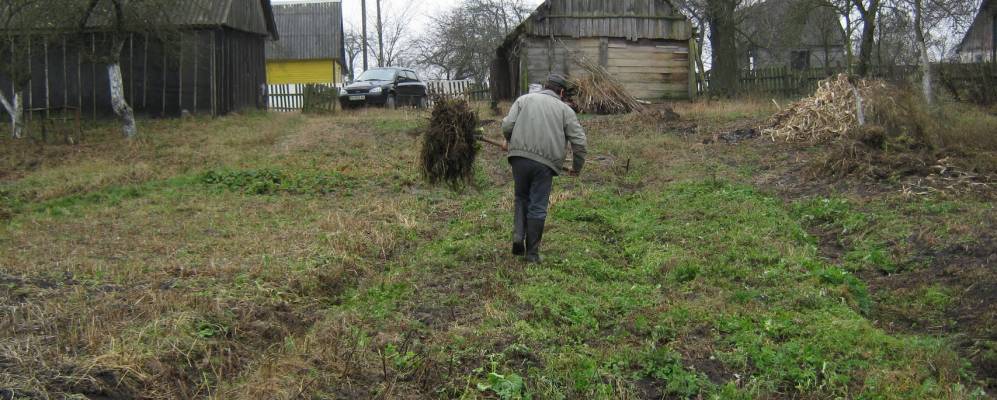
449, 146
833, 110
597, 91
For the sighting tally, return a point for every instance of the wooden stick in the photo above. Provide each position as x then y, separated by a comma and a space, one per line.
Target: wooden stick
492, 142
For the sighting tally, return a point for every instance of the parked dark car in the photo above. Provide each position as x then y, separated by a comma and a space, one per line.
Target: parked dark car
390, 87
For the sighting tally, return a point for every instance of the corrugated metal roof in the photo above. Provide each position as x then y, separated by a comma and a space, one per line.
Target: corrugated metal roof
308, 31
254, 16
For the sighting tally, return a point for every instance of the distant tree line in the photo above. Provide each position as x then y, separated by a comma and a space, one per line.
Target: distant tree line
877, 32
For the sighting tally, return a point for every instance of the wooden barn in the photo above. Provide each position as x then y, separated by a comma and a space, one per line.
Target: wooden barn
979, 43
310, 49
214, 64
643, 43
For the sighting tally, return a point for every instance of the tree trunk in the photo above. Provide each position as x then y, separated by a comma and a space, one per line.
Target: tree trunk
868, 34
923, 48
723, 29
15, 109
118, 101
849, 52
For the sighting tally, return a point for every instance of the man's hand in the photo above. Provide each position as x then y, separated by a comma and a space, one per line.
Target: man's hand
505, 146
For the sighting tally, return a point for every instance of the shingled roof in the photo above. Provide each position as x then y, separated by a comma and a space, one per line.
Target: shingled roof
253, 16
309, 31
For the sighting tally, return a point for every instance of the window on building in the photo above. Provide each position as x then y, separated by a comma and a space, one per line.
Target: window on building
799, 59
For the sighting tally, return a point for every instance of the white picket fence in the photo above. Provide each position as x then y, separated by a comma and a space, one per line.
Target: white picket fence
289, 97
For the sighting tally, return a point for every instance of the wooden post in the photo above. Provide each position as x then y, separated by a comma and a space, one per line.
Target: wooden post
145, 73
79, 79
163, 85
131, 69
65, 75
197, 53
604, 52
180, 73
93, 70
693, 90
30, 104
48, 92
213, 82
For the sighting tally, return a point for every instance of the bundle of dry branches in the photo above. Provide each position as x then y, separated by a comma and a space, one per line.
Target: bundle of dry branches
835, 108
598, 92
449, 147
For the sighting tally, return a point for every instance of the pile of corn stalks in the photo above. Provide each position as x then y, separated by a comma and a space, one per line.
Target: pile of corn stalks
836, 107
598, 92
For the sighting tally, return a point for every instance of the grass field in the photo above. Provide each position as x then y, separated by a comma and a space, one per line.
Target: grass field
267, 256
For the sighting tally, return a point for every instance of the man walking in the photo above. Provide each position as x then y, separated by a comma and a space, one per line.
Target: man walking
537, 130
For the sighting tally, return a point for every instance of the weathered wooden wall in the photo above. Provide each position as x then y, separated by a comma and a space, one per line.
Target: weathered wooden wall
210, 71
649, 69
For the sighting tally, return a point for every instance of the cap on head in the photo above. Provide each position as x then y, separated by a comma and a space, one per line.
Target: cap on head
559, 81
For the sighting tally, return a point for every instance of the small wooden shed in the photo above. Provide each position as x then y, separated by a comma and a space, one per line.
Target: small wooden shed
217, 64
311, 47
643, 43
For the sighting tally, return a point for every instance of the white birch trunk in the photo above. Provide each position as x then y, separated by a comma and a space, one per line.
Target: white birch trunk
118, 102
16, 111
926, 75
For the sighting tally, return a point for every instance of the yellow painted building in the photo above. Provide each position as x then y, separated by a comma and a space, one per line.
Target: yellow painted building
304, 71
310, 48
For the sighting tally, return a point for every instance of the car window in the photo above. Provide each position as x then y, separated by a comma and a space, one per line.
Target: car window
415, 78
409, 76
377, 75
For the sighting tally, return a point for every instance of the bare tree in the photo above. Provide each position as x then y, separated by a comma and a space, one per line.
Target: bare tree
392, 37
353, 47
461, 42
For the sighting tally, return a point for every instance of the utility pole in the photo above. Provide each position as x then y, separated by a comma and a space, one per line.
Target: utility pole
380, 36
363, 23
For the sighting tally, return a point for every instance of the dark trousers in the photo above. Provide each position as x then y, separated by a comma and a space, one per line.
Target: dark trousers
533, 184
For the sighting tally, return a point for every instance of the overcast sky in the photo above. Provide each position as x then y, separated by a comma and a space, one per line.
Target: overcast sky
420, 12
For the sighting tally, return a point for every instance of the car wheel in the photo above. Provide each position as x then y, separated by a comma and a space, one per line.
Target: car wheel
390, 103
423, 102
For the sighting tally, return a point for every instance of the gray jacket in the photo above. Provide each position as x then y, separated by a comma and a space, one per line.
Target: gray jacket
538, 127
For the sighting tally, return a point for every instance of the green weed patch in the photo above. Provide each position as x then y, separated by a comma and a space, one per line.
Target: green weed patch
276, 181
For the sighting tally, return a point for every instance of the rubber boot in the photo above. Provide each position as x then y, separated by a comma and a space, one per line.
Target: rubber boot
534, 235
519, 228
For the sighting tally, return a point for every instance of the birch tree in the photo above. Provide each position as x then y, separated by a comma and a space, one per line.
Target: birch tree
119, 19
17, 19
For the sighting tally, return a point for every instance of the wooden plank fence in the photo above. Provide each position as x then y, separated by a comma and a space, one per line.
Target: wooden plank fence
467, 89
970, 82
